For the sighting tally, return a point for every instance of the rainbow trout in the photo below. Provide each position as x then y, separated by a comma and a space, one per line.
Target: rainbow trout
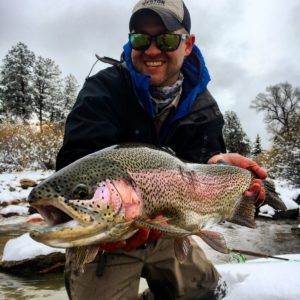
108, 195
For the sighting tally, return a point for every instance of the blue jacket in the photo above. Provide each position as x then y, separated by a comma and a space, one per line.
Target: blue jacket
196, 78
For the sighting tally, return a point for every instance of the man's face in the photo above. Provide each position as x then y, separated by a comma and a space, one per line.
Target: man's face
163, 67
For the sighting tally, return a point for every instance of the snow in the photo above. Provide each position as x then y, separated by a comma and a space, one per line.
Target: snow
11, 180
287, 193
16, 209
24, 247
267, 211
263, 279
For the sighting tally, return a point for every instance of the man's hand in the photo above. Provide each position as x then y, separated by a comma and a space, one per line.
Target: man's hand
143, 236
238, 160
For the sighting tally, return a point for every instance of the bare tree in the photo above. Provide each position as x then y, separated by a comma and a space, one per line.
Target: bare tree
281, 107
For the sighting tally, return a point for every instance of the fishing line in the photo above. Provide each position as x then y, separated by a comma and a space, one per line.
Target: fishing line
238, 254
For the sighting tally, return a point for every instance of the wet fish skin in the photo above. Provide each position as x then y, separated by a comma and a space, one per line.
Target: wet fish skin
192, 196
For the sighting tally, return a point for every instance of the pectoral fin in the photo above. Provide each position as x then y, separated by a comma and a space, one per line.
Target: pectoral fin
214, 239
85, 255
182, 248
168, 229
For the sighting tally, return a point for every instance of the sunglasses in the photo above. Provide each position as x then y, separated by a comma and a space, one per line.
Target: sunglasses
164, 41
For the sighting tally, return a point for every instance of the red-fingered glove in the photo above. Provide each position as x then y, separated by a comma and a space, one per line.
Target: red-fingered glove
143, 236
256, 189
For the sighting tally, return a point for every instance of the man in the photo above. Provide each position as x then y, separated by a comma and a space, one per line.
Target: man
159, 96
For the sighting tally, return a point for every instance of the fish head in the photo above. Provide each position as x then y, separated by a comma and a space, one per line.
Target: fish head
91, 201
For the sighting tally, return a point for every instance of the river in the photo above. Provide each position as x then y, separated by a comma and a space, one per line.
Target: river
270, 237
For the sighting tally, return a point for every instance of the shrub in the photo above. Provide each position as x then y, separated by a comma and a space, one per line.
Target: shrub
27, 147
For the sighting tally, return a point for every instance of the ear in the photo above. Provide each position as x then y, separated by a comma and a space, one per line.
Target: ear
189, 43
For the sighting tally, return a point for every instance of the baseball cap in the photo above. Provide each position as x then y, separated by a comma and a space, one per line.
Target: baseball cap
173, 13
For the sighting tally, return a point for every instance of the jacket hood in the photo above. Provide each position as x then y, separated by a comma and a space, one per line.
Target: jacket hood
196, 78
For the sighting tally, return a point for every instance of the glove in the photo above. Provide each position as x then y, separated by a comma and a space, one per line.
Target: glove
143, 236
256, 189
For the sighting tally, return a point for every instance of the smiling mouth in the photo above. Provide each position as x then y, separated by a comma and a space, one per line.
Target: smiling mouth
152, 64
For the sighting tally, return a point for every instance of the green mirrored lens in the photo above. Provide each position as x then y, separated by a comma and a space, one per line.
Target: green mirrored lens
164, 42
168, 42
140, 41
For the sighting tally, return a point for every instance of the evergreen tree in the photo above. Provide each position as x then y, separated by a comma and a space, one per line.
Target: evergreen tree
256, 149
236, 139
285, 161
48, 98
15, 83
69, 94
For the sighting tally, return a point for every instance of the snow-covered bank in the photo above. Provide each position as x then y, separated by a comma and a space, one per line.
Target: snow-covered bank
10, 189
24, 247
265, 279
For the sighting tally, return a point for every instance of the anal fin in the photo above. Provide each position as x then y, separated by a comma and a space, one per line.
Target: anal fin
214, 239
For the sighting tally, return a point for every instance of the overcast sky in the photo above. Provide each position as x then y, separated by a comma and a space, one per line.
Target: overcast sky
247, 44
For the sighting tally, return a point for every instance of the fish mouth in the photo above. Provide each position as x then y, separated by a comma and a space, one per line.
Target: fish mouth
57, 211
52, 215
70, 227
67, 226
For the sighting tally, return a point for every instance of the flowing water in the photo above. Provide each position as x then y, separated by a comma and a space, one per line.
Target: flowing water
270, 237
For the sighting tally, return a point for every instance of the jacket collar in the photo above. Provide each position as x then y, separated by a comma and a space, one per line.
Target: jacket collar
196, 78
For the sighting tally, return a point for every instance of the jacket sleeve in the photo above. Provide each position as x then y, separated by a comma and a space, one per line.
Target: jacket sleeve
94, 121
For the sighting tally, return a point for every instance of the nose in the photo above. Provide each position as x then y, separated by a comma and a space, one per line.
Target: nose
152, 50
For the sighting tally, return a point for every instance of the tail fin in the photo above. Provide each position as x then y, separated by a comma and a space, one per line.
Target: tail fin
244, 212
272, 197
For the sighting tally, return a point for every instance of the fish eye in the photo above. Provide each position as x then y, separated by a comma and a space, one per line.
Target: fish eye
81, 191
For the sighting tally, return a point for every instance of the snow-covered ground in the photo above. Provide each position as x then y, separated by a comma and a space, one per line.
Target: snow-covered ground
265, 279
24, 247
10, 189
